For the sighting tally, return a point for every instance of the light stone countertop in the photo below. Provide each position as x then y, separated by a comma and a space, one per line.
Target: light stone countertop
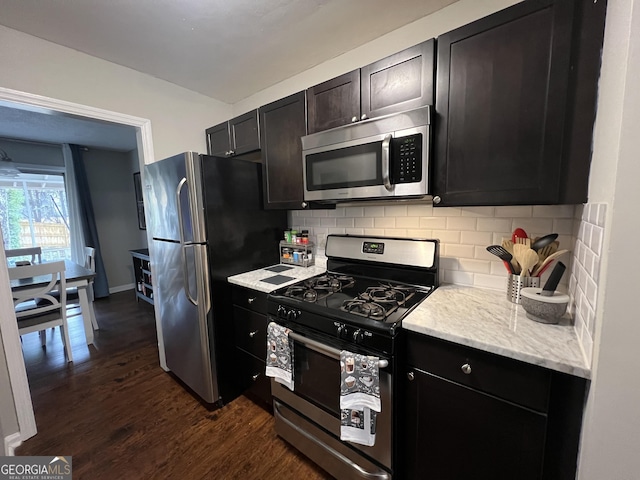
254, 279
486, 320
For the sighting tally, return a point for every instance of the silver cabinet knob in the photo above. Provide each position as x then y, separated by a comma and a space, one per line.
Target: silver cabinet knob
411, 376
255, 377
251, 300
354, 119
364, 116
231, 152
436, 200
466, 369
253, 334
304, 204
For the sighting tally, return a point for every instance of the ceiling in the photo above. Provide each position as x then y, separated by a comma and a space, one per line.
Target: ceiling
225, 49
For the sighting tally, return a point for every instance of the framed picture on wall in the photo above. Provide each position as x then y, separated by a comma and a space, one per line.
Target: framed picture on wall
137, 185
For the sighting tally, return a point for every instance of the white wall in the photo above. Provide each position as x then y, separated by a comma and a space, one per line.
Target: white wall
611, 435
110, 177
453, 16
178, 116
38, 154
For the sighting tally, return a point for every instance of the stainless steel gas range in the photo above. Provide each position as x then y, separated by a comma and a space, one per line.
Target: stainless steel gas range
371, 284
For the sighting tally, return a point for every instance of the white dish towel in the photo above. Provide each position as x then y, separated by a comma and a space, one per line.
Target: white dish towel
359, 397
279, 355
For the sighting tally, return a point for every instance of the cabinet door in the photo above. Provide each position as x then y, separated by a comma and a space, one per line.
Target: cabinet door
335, 102
501, 103
282, 123
218, 140
402, 81
244, 133
454, 432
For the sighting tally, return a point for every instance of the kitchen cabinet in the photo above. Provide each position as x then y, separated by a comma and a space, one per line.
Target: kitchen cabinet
399, 82
142, 275
473, 414
237, 136
250, 338
515, 105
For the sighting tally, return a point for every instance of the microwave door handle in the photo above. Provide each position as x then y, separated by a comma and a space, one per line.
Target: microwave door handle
325, 349
386, 177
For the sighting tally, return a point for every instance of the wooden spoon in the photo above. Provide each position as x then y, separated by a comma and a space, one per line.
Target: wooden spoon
519, 253
546, 261
529, 260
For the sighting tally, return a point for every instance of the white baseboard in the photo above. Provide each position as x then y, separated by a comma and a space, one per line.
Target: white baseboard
11, 442
122, 288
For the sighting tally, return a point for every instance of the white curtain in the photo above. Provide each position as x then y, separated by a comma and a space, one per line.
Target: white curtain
75, 223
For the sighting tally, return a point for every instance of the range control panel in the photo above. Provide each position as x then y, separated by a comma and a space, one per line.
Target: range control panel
371, 247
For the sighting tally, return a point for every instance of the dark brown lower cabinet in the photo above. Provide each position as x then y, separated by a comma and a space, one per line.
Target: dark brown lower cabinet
250, 340
460, 433
469, 414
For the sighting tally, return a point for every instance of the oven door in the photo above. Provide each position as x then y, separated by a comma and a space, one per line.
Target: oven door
315, 402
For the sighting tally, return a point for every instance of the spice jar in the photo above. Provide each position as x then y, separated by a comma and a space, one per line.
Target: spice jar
304, 237
294, 236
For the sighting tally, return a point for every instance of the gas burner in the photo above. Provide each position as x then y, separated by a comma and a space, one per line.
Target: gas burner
380, 301
316, 288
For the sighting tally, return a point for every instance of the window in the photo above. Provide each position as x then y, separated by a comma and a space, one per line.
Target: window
34, 212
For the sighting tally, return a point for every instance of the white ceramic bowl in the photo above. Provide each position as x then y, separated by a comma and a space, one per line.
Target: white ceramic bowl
541, 308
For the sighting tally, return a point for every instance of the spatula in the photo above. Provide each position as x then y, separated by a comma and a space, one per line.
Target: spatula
540, 266
503, 255
528, 260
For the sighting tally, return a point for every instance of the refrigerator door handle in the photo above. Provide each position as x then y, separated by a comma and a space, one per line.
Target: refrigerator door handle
181, 184
204, 262
185, 275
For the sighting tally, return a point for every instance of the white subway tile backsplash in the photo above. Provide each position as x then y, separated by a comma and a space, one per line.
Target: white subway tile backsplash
395, 232
419, 210
458, 277
446, 211
345, 222
374, 231
476, 266
408, 222
514, 211
354, 231
533, 226
593, 214
462, 223
363, 222
478, 211
395, 211
481, 253
446, 236
439, 223
324, 213
352, 211
312, 222
328, 222
485, 224
459, 251
419, 233
554, 211
563, 226
490, 281
374, 211
597, 234
602, 209
384, 222
449, 263
476, 238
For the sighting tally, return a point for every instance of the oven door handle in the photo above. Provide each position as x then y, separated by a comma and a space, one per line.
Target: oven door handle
326, 350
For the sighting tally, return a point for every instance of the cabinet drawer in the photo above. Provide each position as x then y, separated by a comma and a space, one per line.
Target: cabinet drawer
250, 331
251, 378
251, 299
502, 377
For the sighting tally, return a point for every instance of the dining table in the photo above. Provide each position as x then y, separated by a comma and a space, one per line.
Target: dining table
75, 276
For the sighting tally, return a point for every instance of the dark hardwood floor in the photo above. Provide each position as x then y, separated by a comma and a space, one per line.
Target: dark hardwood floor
121, 416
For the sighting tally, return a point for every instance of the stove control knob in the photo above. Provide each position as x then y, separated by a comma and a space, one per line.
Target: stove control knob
340, 330
292, 315
343, 332
358, 336
282, 311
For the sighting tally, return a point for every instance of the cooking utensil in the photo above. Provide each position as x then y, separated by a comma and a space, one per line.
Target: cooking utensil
543, 241
507, 244
543, 269
544, 252
547, 260
528, 260
503, 255
553, 280
518, 233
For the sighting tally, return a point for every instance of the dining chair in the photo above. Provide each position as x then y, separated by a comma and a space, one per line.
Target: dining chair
73, 299
35, 252
32, 313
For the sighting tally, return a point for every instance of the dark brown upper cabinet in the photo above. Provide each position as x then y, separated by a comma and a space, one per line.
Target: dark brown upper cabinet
515, 105
237, 136
401, 81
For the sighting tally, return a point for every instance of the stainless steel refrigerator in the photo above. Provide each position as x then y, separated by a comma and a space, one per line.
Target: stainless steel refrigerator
206, 219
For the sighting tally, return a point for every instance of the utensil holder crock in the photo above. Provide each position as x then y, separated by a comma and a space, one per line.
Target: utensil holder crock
516, 283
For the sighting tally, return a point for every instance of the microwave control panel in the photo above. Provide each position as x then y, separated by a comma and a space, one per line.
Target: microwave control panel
407, 159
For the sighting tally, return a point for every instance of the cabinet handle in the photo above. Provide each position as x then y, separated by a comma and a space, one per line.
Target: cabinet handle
354, 119
255, 377
436, 200
304, 204
364, 116
411, 376
253, 334
466, 369
251, 300
231, 152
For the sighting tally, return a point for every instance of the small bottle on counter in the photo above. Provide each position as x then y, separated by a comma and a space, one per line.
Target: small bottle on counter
294, 236
287, 235
304, 237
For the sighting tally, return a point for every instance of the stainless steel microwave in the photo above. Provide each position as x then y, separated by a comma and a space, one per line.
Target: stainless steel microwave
384, 157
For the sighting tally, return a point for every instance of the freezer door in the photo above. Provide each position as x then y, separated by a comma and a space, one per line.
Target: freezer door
184, 303
174, 197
